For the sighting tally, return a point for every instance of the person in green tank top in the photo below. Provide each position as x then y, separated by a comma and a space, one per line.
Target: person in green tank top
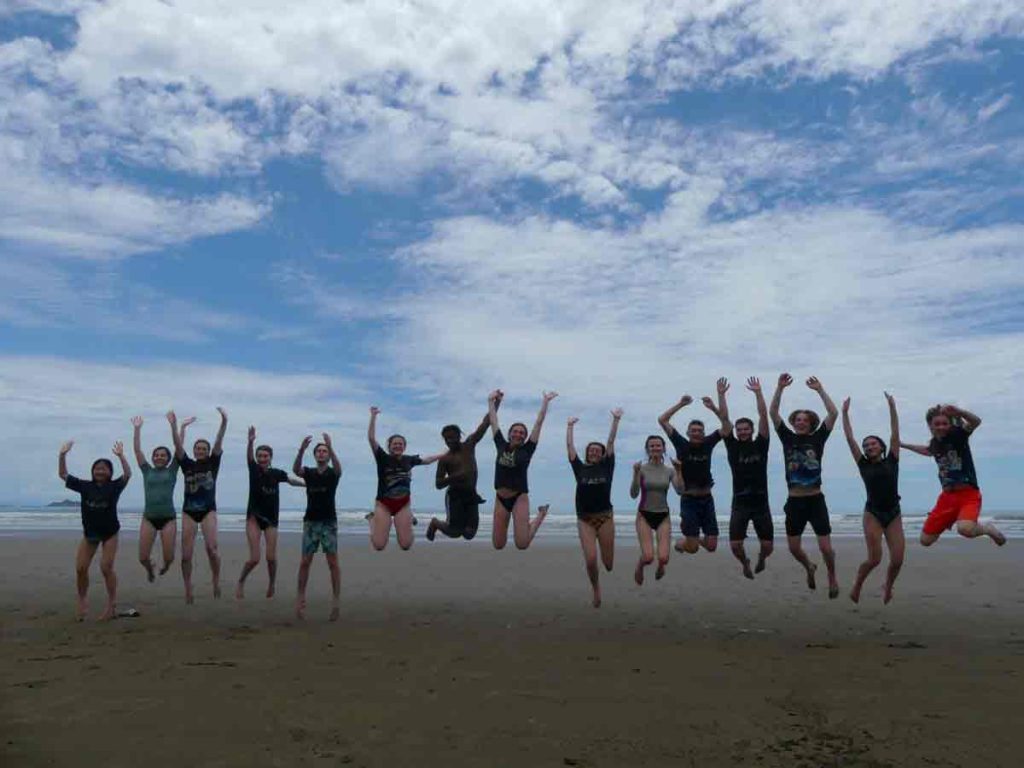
158, 515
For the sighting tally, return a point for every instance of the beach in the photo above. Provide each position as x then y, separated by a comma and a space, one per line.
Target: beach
456, 655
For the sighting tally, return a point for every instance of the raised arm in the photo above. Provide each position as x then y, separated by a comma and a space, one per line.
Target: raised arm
831, 412
335, 461
218, 443
665, 420
784, 381
250, 457
176, 438
894, 427
492, 411
851, 440
371, 430
477, 434
425, 460
613, 432
547, 397
634, 487
125, 469
297, 464
570, 442
723, 407
971, 422
140, 457
754, 385
62, 462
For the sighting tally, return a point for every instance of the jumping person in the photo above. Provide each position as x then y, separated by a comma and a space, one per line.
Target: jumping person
697, 504
880, 472
263, 510
457, 471
99, 523
158, 514
748, 460
594, 501
320, 523
511, 490
959, 502
199, 509
804, 445
651, 481
394, 487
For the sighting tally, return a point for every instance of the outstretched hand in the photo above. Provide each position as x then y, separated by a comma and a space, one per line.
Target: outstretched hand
119, 449
685, 400
374, 410
549, 396
708, 403
617, 413
785, 380
573, 420
223, 413
305, 442
814, 383
889, 398
137, 422
66, 447
723, 385
252, 434
189, 421
846, 405
326, 439
754, 384
636, 466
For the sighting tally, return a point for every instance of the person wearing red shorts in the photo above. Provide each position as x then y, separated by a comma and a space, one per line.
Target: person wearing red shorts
959, 503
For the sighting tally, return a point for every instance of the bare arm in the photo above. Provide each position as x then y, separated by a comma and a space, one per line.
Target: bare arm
176, 437
425, 460
298, 482
924, 450
831, 412
971, 422
754, 385
894, 427
541, 415
665, 420
570, 442
62, 463
477, 434
634, 488
851, 440
140, 457
297, 464
773, 411
441, 479
677, 476
126, 470
371, 430
218, 443
723, 407
250, 457
335, 461
614, 431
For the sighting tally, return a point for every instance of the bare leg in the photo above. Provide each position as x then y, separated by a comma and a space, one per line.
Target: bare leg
252, 536
897, 547
499, 533
525, 529
606, 543
147, 535
189, 529
588, 543
209, 526
83, 559
797, 551
971, 529
646, 537
168, 538
270, 535
300, 603
380, 526
710, 543
873, 539
741, 554
829, 556
766, 549
335, 569
664, 546
403, 527
109, 577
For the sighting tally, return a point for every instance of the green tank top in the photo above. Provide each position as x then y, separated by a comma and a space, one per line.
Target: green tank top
158, 485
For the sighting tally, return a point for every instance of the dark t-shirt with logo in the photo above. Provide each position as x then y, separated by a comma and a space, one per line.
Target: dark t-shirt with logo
320, 490
748, 460
953, 455
264, 499
803, 455
593, 485
511, 464
695, 458
99, 505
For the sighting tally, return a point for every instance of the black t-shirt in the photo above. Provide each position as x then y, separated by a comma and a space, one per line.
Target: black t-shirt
748, 460
593, 485
320, 491
953, 455
881, 481
264, 500
803, 455
394, 474
200, 482
99, 505
696, 459
511, 464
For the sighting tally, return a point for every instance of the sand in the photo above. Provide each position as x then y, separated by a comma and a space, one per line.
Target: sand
456, 655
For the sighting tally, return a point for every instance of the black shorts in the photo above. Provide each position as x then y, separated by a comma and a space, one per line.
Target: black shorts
697, 515
883, 516
463, 514
100, 535
198, 514
801, 510
746, 511
263, 522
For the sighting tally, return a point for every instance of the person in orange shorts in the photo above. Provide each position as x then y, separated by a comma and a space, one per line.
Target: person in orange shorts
959, 503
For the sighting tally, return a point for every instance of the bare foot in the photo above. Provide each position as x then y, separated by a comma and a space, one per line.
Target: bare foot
542, 512
996, 535
150, 572
166, 568
300, 608
270, 590
240, 591
190, 597
679, 547
746, 570
216, 590
596, 602
760, 564
108, 613
887, 594
703, 542
855, 593
81, 610
638, 574
811, 568
660, 573
833, 590
335, 611
432, 530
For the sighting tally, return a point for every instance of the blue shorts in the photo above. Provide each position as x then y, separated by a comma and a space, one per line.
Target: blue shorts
320, 535
698, 516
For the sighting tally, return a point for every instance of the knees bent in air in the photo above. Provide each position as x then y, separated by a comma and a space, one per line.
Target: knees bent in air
646, 559
967, 528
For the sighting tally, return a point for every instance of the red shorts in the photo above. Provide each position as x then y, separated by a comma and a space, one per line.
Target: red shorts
951, 507
395, 505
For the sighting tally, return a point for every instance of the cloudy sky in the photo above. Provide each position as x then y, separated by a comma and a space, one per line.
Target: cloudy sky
295, 210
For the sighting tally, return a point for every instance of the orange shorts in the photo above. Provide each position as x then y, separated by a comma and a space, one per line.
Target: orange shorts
951, 507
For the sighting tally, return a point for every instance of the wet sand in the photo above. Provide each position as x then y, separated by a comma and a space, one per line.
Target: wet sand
456, 655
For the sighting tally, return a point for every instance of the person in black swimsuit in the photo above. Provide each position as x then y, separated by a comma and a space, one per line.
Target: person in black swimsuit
593, 500
880, 472
511, 490
262, 512
457, 472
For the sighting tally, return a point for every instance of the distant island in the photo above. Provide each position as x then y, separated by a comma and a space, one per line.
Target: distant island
63, 503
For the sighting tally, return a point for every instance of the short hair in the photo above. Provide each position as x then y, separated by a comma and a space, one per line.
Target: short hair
318, 445
515, 424
266, 448
744, 420
400, 437
202, 440
695, 421
815, 419
599, 445
449, 428
108, 462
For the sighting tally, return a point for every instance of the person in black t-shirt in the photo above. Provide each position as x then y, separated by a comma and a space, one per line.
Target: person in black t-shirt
262, 512
99, 523
880, 472
803, 446
748, 460
511, 490
320, 523
959, 503
199, 509
593, 500
394, 487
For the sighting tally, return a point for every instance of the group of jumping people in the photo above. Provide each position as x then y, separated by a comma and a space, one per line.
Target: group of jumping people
803, 436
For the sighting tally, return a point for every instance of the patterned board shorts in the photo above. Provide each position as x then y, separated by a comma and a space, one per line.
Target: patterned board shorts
320, 535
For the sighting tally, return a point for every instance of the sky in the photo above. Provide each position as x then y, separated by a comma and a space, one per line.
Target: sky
297, 210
